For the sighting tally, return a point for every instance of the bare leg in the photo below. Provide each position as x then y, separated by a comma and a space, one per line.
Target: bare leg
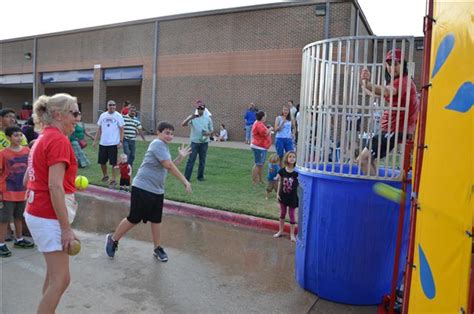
292, 233
259, 173
104, 170
365, 163
155, 233
280, 229
113, 173
255, 174
9, 229
18, 228
46, 283
123, 227
56, 282
3, 231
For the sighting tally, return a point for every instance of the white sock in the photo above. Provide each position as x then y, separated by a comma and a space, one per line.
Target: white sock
20, 239
2, 244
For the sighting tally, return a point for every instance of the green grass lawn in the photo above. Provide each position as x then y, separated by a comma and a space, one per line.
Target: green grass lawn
228, 184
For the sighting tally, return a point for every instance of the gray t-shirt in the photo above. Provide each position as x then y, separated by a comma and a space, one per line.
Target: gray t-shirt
151, 175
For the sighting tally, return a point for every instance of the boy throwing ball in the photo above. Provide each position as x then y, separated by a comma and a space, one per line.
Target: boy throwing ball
148, 190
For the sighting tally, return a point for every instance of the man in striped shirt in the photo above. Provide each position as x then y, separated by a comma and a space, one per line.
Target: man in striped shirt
131, 129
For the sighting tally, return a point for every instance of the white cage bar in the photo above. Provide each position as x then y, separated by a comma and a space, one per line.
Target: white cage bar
340, 116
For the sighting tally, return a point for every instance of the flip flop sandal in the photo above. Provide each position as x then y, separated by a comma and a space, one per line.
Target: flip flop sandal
105, 179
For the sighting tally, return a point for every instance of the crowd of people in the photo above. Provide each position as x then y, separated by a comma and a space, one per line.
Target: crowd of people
39, 183
281, 175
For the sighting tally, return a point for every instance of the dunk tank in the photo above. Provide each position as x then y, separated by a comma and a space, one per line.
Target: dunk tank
351, 240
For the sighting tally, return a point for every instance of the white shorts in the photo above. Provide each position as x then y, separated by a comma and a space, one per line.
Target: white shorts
45, 232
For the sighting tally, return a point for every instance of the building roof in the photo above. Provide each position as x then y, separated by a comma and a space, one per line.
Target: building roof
197, 14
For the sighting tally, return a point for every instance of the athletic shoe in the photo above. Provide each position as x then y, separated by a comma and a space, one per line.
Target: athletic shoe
24, 244
4, 251
160, 254
112, 185
111, 246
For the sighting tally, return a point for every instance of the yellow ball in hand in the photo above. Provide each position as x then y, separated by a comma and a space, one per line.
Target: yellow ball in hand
81, 182
75, 248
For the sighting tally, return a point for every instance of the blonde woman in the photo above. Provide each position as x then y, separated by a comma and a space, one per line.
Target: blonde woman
52, 168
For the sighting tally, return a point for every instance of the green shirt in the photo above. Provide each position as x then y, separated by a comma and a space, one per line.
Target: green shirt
198, 125
78, 133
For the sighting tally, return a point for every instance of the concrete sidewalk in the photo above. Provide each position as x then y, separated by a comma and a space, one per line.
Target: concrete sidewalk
187, 210
213, 267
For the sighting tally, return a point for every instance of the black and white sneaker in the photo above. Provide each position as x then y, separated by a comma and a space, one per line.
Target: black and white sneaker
111, 246
24, 244
5, 252
160, 254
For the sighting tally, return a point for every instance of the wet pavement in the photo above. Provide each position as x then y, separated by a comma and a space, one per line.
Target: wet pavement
212, 268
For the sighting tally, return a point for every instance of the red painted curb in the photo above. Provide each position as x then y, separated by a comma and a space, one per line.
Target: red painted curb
190, 210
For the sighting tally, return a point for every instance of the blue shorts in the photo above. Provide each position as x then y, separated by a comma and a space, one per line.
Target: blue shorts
260, 155
283, 145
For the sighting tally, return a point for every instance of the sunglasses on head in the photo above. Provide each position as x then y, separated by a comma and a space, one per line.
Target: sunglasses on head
75, 114
200, 108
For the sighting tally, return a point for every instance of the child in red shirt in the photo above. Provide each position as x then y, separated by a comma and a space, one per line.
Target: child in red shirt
125, 173
13, 165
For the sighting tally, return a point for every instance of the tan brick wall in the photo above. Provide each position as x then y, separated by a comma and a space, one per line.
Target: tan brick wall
279, 28
230, 60
146, 104
113, 47
227, 97
278, 61
340, 19
418, 59
12, 57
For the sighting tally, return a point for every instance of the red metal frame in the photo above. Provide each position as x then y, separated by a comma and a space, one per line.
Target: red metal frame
470, 301
427, 29
401, 220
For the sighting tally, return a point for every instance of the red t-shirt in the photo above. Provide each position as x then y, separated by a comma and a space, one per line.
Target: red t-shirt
412, 109
260, 136
125, 170
50, 148
124, 111
13, 167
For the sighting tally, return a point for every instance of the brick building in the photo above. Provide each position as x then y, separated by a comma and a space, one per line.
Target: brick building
228, 58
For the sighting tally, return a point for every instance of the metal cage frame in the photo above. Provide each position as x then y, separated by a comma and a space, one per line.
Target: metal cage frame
340, 115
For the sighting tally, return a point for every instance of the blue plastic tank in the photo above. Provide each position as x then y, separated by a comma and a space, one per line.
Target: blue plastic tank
346, 240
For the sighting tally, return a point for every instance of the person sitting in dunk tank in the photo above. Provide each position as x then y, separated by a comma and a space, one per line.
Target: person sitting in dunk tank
389, 125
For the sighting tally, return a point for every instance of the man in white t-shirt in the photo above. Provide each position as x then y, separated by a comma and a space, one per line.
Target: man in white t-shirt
110, 133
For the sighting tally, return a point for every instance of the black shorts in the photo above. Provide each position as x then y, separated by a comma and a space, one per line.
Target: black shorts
124, 182
12, 209
145, 206
386, 139
108, 153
